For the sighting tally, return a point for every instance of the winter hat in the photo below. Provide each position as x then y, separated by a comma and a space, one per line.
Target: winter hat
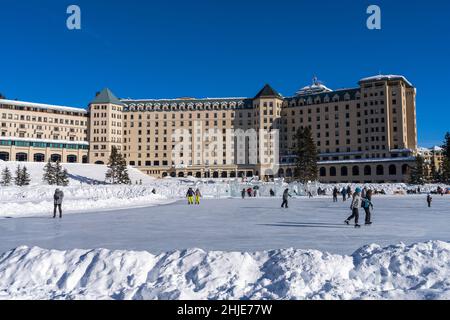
358, 190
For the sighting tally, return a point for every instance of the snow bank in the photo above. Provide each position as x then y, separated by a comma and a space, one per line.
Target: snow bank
419, 271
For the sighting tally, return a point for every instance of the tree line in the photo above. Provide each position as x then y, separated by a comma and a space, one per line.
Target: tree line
419, 172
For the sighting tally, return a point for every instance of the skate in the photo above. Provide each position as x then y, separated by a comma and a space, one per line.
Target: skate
357, 226
347, 222
368, 223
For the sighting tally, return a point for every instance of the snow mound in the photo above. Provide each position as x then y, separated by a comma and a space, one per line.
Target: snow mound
419, 271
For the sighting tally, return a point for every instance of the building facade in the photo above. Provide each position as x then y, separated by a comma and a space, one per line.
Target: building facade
363, 134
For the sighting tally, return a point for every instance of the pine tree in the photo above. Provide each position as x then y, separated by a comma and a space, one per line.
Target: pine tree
306, 152
60, 174
6, 177
18, 176
63, 178
417, 175
49, 173
117, 172
25, 177
445, 174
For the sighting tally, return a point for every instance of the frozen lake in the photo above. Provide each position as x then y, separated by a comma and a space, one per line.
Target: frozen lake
236, 225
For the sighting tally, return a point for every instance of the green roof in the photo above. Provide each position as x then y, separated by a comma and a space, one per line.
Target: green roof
106, 96
268, 91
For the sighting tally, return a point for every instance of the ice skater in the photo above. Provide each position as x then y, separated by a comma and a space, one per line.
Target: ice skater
190, 196
198, 195
286, 196
57, 202
335, 194
243, 193
356, 204
367, 205
344, 194
429, 200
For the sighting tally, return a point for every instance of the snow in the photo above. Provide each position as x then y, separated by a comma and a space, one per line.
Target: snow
124, 242
80, 195
386, 77
419, 271
41, 106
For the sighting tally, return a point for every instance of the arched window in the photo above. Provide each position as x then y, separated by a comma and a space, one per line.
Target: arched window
189, 174
405, 169
39, 157
355, 170
332, 172
71, 158
224, 174
164, 174
85, 159
173, 174
323, 172
4, 156
232, 174
367, 171
56, 158
392, 170
241, 174
21, 156
215, 174
281, 173
198, 174
344, 171
249, 174
180, 174
380, 170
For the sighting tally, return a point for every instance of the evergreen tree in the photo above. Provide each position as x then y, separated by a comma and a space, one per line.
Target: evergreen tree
64, 178
60, 174
25, 177
445, 174
306, 152
6, 177
49, 173
117, 172
18, 176
417, 175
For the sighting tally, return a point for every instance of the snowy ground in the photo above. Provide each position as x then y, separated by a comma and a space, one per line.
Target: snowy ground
235, 225
156, 247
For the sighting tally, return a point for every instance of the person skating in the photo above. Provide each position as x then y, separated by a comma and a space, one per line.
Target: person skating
272, 193
250, 192
429, 200
349, 192
356, 204
243, 193
190, 196
198, 195
335, 194
367, 205
286, 196
57, 201
344, 194
310, 195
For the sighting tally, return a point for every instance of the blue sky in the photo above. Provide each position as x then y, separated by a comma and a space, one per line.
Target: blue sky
212, 48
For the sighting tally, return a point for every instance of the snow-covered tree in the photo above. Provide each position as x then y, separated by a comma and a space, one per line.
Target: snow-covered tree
22, 177
61, 177
6, 177
445, 175
49, 173
117, 172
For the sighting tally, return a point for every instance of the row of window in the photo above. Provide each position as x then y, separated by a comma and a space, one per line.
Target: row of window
43, 145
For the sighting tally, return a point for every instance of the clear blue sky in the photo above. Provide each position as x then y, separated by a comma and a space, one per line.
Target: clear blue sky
215, 48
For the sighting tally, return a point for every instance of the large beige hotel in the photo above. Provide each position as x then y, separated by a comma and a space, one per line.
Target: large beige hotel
363, 134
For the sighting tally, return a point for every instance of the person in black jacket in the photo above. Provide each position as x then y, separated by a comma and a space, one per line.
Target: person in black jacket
57, 201
335, 194
286, 196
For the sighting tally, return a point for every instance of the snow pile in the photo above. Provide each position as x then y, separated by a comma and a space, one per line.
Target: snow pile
419, 271
35, 201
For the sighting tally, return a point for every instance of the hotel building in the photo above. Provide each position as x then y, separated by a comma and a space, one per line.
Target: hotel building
363, 134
